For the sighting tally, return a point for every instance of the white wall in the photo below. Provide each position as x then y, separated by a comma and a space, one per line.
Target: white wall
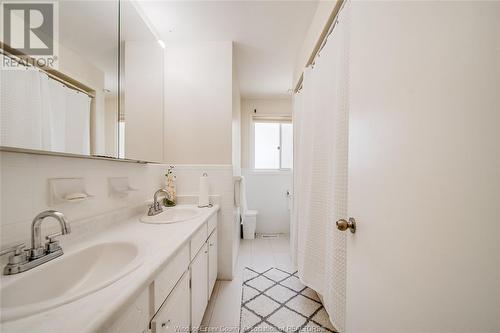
24, 189
143, 101
236, 123
266, 193
198, 103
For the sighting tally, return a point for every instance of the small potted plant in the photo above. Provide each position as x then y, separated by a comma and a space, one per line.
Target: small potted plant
171, 198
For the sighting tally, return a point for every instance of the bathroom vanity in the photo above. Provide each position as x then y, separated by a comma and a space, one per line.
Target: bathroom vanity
167, 275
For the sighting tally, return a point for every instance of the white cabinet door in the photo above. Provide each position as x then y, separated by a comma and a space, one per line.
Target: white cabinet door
166, 280
135, 319
212, 262
199, 286
173, 315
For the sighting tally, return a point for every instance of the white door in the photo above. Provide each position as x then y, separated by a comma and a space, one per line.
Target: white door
424, 167
199, 286
174, 314
212, 262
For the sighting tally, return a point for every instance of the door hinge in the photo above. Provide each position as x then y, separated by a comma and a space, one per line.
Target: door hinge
190, 283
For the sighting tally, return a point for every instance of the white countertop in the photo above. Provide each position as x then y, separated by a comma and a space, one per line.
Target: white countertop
157, 244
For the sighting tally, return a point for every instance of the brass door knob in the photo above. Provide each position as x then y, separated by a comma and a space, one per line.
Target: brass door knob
343, 225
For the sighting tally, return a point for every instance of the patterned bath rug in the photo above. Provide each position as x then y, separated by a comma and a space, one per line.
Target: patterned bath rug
274, 300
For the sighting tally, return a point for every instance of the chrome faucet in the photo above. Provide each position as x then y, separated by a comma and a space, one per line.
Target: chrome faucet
23, 260
37, 249
156, 208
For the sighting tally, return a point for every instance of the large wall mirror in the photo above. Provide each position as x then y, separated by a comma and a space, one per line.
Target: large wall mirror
82, 78
141, 86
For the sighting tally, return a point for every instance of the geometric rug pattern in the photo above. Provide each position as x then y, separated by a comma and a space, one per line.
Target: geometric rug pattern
274, 300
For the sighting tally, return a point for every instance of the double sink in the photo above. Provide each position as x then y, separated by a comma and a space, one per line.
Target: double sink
78, 274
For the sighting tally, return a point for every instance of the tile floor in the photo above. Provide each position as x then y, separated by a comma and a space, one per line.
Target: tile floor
223, 311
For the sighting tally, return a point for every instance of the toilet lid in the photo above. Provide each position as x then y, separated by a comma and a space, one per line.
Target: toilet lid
251, 213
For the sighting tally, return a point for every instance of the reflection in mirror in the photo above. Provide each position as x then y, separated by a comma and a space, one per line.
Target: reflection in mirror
70, 105
141, 87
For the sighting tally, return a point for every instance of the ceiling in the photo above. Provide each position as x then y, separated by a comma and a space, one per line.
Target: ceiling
267, 35
96, 41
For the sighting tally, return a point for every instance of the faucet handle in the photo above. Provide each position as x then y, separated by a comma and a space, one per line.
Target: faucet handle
52, 245
18, 256
17, 249
52, 237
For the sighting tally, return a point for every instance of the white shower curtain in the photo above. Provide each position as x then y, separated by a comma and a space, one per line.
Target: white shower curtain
69, 112
37, 112
56, 102
320, 175
21, 118
77, 122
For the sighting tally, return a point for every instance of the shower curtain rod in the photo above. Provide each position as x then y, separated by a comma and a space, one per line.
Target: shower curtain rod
4, 49
327, 30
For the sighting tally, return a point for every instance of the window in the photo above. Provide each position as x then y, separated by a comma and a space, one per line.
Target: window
273, 145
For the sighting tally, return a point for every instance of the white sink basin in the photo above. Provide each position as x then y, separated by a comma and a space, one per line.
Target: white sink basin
172, 215
66, 279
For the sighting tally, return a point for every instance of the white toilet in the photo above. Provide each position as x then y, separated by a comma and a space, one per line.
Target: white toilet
248, 216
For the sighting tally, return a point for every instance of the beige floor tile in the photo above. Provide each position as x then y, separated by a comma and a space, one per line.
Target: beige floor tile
280, 244
284, 261
226, 313
262, 247
263, 263
211, 305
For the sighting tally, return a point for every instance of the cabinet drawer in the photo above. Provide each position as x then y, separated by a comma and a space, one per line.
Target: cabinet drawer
212, 223
198, 240
166, 280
